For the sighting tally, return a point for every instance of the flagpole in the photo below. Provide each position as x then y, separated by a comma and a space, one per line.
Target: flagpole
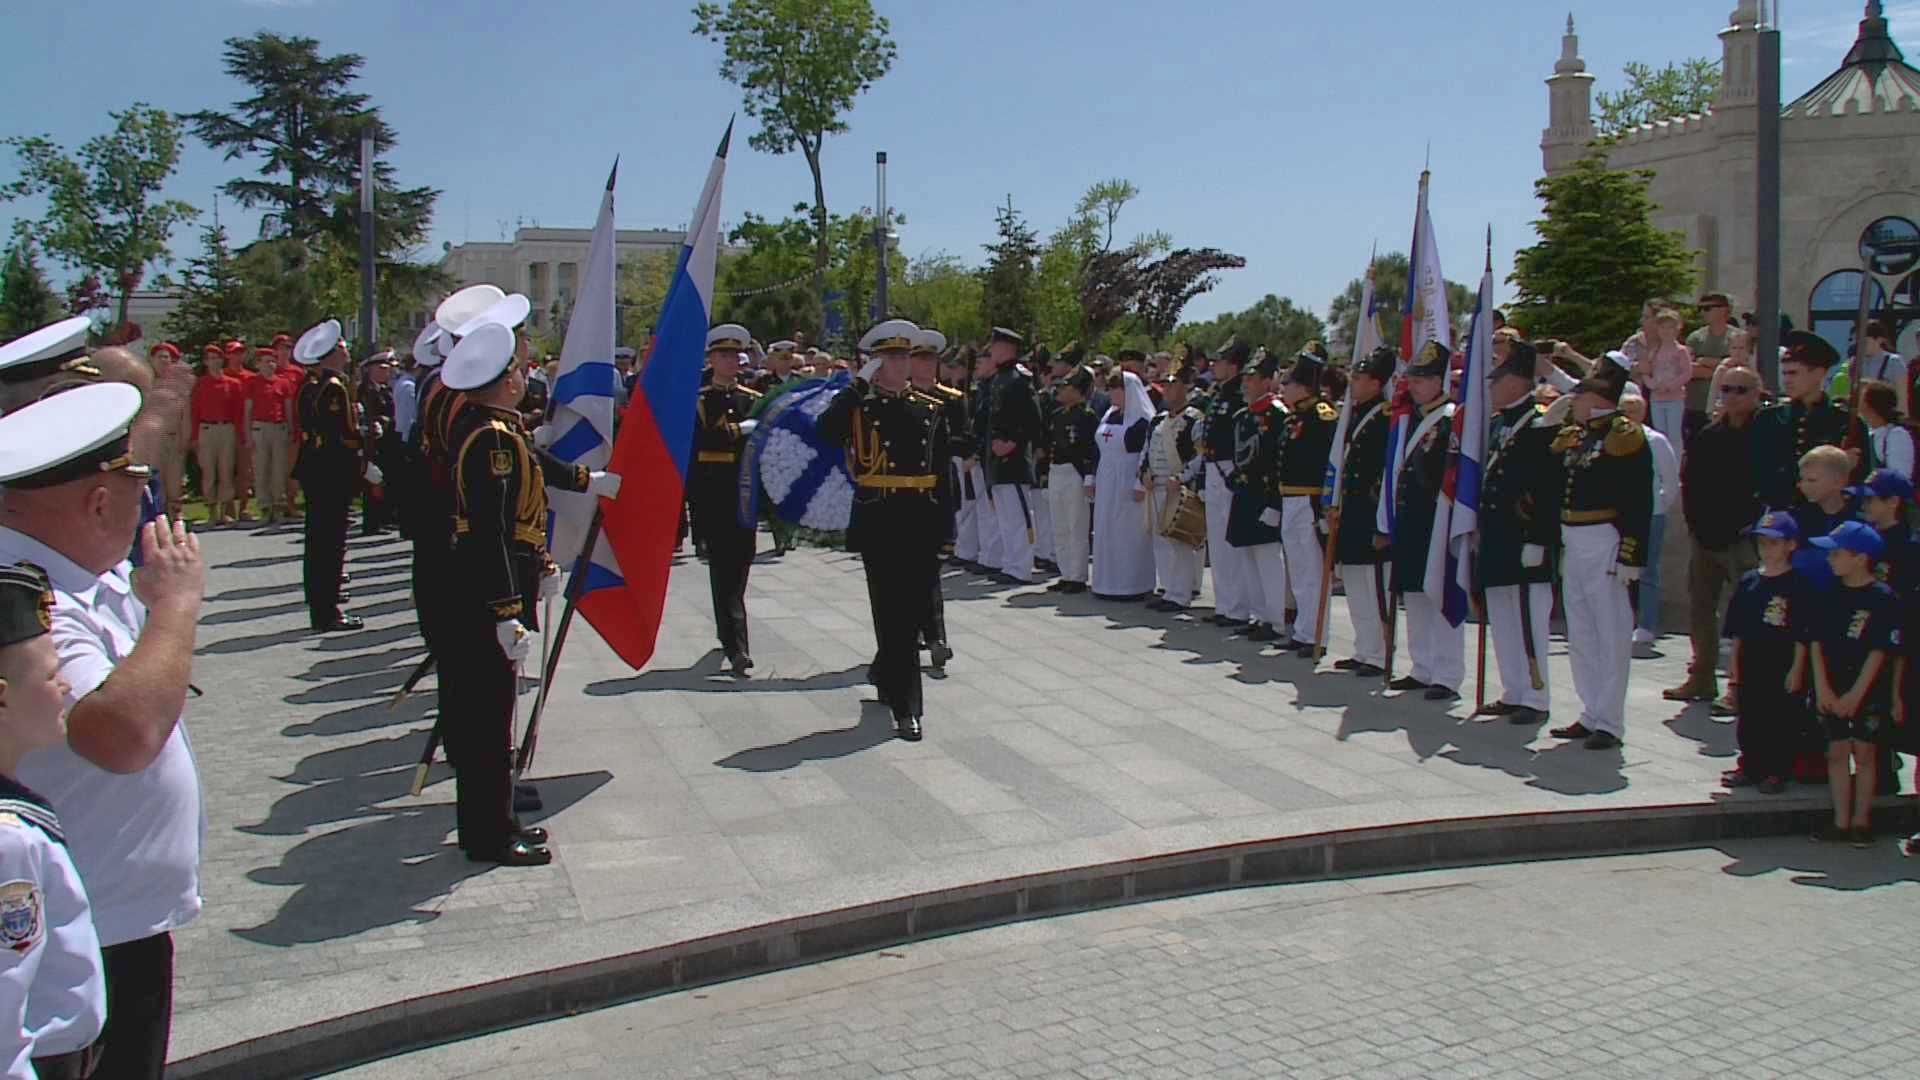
1339, 489
1480, 663
575, 581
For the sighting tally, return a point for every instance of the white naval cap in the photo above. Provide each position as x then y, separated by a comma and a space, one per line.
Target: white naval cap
57, 347
508, 311
316, 343
75, 433
928, 341
782, 346
893, 335
728, 337
460, 308
426, 347
481, 357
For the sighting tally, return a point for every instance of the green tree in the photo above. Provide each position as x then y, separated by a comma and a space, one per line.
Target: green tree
799, 65
1168, 284
104, 216
941, 292
1006, 295
214, 302
640, 288
1274, 321
1651, 96
1390, 274
27, 299
1599, 258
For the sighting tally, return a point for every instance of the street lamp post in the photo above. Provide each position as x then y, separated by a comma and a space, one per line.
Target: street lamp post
880, 235
1766, 248
369, 324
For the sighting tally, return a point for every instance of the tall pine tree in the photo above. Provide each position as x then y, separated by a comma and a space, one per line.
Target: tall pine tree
1007, 282
27, 299
214, 303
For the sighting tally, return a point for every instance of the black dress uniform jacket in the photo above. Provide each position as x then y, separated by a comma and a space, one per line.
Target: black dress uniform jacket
1217, 440
1304, 450
1070, 438
1416, 499
1609, 479
1782, 434
328, 469
1362, 472
1256, 460
500, 527
1013, 414
1519, 497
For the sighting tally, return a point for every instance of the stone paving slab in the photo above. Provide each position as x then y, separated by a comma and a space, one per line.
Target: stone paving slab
684, 803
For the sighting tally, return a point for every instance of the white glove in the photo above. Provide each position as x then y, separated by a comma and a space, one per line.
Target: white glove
603, 483
514, 640
1557, 412
1630, 574
543, 436
1533, 556
1270, 517
1323, 527
374, 475
867, 372
747, 426
550, 585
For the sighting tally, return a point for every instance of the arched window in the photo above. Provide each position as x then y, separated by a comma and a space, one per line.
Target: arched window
1834, 308
1905, 317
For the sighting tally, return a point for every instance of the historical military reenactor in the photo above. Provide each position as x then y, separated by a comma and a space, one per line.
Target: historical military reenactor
377, 435
51, 973
1606, 510
1012, 428
1784, 432
1519, 543
923, 375
956, 373
723, 421
1232, 587
1360, 552
500, 557
1071, 458
1170, 470
1047, 371
1434, 645
896, 447
1305, 446
1253, 520
330, 469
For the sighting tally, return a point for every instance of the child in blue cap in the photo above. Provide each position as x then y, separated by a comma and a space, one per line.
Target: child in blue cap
1856, 637
1767, 621
1883, 505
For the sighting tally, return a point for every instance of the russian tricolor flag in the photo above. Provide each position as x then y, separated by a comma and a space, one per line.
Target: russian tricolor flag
640, 528
1449, 559
1424, 318
582, 394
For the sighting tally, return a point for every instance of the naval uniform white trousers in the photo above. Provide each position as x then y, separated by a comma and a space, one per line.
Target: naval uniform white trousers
1437, 648
1300, 535
1175, 565
1044, 546
1266, 583
1509, 641
1231, 566
1599, 625
986, 520
1364, 597
1010, 507
966, 520
1071, 519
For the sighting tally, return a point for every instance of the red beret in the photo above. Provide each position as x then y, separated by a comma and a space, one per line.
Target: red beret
262, 351
283, 339
236, 347
212, 349
168, 347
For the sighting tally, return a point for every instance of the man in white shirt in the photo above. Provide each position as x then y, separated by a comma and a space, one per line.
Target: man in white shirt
1666, 488
124, 784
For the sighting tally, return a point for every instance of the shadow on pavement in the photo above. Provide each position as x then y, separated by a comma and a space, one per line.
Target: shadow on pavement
874, 729
707, 675
249, 614
255, 592
1823, 866
1695, 723
250, 642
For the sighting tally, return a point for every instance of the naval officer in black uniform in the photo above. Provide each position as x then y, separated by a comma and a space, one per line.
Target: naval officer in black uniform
720, 432
329, 468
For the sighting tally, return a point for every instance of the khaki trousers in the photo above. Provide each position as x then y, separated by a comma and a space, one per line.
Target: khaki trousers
269, 465
217, 446
1711, 576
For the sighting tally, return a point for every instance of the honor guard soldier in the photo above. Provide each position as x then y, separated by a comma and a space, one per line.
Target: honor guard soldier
1362, 553
779, 367
896, 451
1012, 427
51, 975
330, 468
1070, 452
377, 435
1606, 510
1170, 470
722, 412
1306, 445
500, 555
1435, 646
1784, 432
1253, 521
1519, 546
1231, 573
924, 376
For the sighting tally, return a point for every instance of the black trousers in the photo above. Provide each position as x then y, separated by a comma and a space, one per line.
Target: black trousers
901, 578
1772, 727
133, 1043
329, 498
730, 550
476, 710
934, 630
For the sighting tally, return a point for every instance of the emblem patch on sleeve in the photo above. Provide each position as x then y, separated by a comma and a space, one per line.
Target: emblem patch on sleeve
21, 923
502, 461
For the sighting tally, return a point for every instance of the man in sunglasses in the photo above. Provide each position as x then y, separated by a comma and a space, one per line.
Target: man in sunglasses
1709, 345
1719, 502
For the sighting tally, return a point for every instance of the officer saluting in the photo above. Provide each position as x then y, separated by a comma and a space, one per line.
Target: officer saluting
50, 969
1434, 645
500, 553
1606, 510
897, 449
713, 489
329, 469
1520, 535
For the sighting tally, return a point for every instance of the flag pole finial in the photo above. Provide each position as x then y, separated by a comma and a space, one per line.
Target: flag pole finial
1489, 245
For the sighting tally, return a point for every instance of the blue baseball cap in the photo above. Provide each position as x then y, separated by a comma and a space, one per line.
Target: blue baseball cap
1855, 536
1778, 524
1885, 484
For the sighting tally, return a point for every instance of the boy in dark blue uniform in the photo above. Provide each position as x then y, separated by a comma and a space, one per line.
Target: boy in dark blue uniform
1856, 634
1766, 676
1883, 505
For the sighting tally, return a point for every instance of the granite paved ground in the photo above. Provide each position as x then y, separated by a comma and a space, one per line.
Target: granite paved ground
1766, 959
683, 803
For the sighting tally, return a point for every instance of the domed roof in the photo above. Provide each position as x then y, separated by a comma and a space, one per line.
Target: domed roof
1874, 78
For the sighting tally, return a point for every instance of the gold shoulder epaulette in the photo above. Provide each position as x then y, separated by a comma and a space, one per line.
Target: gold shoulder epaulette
500, 426
951, 393
923, 397
749, 391
1624, 437
1326, 411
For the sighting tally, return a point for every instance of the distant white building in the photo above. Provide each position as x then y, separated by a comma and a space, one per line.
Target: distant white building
1848, 151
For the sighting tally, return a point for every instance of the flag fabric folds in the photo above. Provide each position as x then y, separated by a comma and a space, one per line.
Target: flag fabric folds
1450, 556
581, 399
624, 594
1366, 338
1423, 318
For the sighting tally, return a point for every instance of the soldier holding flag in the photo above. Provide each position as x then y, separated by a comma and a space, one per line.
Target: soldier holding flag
1435, 645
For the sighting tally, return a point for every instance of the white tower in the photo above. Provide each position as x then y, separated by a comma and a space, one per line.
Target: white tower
1569, 107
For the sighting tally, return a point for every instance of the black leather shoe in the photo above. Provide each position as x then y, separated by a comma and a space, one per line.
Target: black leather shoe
1406, 682
343, 623
1575, 730
1495, 708
742, 666
345, 596
939, 655
1059, 586
526, 799
1601, 740
907, 728
516, 852
1367, 671
534, 834
1075, 588
1347, 664
1262, 632
1224, 620
1305, 651
1521, 714
1441, 693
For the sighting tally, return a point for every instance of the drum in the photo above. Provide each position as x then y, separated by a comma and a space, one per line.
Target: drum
1182, 520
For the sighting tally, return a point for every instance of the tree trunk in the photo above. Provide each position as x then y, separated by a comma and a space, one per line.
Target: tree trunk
819, 240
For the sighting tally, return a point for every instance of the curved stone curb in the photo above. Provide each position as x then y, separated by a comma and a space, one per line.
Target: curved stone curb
342, 1041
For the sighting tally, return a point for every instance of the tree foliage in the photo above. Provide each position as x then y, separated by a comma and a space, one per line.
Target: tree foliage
1390, 274
1274, 321
28, 300
304, 121
1168, 283
104, 215
1652, 96
799, 65
213, 300
1007, 283
940, 292
1600, 257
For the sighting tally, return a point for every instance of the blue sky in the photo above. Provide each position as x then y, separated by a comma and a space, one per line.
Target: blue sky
1288, 131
